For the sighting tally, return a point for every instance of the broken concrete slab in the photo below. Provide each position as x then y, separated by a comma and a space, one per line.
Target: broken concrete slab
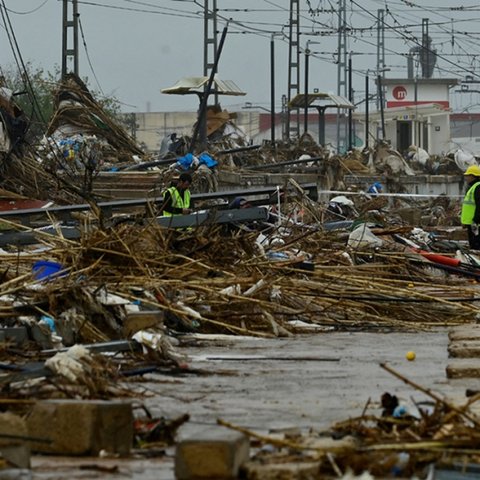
81, 427
215, 453
13, 446
465, 332
464, 368
464, 349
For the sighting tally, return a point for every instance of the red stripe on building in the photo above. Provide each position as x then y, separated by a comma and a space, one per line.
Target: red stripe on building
394, 104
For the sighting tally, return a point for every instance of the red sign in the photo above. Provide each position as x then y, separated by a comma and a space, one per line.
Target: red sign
399, 93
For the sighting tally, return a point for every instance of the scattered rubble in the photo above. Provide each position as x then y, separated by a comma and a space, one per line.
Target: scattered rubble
86, 314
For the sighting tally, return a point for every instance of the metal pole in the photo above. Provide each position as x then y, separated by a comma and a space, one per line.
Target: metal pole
64, 37
380, 99
75, 36
209, 37
272, 91
307, 55
202, 114
350, 98
367, 126
66, 24
321, 125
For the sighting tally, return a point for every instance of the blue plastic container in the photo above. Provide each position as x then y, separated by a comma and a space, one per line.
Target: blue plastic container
45, 270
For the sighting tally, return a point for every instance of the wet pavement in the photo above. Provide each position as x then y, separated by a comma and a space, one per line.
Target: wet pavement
307, 381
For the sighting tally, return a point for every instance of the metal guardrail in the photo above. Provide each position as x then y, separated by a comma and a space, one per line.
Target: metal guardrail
196, 219
265, 195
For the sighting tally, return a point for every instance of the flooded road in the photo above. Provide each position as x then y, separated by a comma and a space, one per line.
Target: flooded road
307, 381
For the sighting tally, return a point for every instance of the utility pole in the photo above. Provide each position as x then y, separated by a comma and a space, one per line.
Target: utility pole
272, 91
293, 65
350, 99
367, 102
341, 66
284, 116
380, 49
305, 114
68, 24
210, 38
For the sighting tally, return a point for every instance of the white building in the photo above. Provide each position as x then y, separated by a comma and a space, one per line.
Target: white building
417, 112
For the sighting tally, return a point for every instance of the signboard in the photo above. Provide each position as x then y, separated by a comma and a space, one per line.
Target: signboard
399, 93
408, 94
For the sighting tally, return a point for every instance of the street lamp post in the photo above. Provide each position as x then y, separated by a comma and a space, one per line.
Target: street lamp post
367, 104
307, 55
350, 98
272, 90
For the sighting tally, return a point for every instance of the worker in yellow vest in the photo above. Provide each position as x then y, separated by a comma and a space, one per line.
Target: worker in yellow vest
471, 206
176, 199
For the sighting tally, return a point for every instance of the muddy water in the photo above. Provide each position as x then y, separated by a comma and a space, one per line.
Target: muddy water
307, 382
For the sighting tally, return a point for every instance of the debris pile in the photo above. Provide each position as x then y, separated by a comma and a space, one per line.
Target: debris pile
407, 441
84, 312
259, 278
79, 121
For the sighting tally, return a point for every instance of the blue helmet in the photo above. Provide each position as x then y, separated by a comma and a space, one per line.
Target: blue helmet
375, 188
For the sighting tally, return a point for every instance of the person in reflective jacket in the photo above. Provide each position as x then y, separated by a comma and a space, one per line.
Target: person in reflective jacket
470, 216
176, 199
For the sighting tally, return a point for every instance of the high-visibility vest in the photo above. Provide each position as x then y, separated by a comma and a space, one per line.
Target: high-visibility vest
177, 200
468, 206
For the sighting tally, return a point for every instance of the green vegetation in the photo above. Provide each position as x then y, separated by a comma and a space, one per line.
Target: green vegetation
35, 95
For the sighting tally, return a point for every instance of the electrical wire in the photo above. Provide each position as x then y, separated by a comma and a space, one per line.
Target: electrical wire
29, 11
88, 55
171, 12
19, 61
446, 31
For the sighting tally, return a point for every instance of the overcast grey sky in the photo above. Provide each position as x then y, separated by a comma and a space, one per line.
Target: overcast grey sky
134, 48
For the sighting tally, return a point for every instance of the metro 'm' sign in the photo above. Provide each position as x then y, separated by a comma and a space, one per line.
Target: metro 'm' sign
399, 93
407, 93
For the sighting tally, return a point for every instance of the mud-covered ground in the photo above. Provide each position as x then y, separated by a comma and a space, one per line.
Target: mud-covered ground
308, 381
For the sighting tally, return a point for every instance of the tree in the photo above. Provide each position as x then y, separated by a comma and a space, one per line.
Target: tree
34, 92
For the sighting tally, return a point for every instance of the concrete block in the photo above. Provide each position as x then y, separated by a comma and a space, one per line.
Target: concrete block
81, 427
410, 215
278, 471
464, 349
214, 454
137, 321
463, 368
15, 451
465, 332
